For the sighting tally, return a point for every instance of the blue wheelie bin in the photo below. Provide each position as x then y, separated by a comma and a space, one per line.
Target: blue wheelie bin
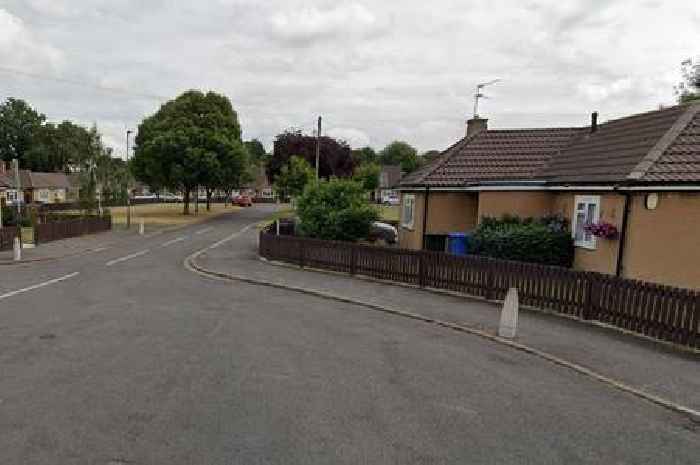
457, 243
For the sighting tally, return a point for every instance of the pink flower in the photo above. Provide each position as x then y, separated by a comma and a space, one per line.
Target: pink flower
602, 229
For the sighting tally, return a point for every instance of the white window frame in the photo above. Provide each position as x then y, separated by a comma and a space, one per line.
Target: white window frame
589, 242
44, 195
408, 199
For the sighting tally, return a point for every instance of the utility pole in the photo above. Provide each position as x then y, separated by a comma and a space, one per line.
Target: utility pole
128, 183
318, 147
18, 189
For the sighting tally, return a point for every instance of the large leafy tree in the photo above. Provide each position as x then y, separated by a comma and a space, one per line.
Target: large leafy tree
335, 157
364, 155
294, 177
400, 153
256, 151
689, 88
335, 210
183, 145
19, 125
61, 147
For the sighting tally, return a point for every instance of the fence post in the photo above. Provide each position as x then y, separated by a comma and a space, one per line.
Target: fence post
421, 269
588, 305
353, 259
301, 253
490, 281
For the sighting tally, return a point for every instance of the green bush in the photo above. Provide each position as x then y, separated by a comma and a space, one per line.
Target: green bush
335, 210
545, 240
9, 217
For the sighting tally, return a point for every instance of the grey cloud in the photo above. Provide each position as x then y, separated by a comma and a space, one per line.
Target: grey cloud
376, 70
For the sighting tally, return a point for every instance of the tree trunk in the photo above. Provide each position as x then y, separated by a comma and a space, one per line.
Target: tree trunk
209, 200
196, 200
186, 200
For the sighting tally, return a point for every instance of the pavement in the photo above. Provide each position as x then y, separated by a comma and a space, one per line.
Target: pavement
122, 356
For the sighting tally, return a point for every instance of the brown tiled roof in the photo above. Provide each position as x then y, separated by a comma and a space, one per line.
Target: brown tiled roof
36, 180
494, 155
680, 161
6, 181
657, 146
613, 152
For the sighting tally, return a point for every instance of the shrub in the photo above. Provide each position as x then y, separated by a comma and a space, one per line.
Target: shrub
335, 210
544, 240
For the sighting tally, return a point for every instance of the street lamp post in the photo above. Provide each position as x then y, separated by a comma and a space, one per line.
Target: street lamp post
128, 183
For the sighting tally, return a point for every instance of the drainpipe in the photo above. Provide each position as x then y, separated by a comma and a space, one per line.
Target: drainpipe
623, 235
425, 213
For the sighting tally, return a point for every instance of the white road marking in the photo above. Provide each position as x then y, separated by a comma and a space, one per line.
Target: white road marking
40, 285
174, 241
205, 230
128, 257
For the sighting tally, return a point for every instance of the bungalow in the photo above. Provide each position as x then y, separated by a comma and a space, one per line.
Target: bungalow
44, 187
640, 174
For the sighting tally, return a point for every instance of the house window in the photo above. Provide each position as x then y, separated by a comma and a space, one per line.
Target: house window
11, 196
44, 195
409, 203
586, 211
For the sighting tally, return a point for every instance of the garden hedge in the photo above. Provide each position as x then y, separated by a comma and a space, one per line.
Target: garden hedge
545, 240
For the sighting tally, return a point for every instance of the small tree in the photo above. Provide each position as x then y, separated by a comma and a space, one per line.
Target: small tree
335, 210
400, 153
368, 176
294, 176
689, 88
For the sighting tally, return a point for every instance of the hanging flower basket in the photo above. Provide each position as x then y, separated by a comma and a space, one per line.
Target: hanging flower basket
603, 230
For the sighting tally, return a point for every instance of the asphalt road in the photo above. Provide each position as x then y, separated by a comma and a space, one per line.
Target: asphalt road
135, 360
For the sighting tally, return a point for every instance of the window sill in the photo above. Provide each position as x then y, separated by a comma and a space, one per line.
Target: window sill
407, 227
590, 247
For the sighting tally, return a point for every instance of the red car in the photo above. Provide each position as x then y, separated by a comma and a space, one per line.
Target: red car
243, 201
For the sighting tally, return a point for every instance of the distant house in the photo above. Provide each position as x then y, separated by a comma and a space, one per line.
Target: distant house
44, 187
8, 193
640, 174
389, 179
260, 187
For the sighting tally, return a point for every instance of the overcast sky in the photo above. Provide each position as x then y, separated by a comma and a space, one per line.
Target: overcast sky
377, 71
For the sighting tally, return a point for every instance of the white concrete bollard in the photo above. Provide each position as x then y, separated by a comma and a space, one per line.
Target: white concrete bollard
142, 227
17, 250
509, 315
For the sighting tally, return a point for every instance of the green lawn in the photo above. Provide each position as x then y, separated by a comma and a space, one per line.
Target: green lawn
389, 212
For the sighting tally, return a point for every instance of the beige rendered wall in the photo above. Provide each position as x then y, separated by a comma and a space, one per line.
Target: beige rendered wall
412, 238
452, 212
604, 257
524, 204
447, 212
663, 245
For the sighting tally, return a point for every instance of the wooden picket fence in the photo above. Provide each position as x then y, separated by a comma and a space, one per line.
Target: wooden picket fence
56, 230
7, 237
661, 312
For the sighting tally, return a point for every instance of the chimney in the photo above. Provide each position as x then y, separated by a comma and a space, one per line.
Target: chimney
594, 122
476, 125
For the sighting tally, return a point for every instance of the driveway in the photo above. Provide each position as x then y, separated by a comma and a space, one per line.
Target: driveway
125, 357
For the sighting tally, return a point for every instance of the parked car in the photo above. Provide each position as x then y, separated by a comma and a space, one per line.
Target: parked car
391, 199
383, 231
243, 201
